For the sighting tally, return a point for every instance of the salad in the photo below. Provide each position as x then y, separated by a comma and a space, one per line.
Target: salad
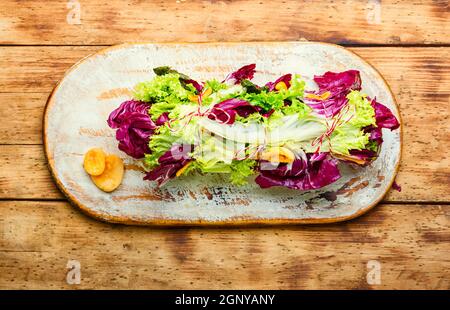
280, 132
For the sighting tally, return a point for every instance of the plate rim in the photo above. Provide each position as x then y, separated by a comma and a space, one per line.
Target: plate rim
232, 222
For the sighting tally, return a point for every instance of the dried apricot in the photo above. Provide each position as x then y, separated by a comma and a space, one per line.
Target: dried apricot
281, 86
94, 161
111, 178
278, 155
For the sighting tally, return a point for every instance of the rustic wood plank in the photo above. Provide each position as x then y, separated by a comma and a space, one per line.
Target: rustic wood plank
24, 173
420, 81
38, 238
111, 22
21, 117
419, 77
37, 69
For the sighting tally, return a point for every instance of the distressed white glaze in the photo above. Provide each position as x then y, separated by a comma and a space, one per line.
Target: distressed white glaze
75, 121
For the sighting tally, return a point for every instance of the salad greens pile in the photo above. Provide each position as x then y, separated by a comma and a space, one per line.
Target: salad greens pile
281, 132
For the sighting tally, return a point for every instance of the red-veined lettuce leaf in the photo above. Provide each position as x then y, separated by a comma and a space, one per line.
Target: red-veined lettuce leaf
338, 85
225, 111
245, 72
313, 172
286, 79
169, 163
384, 118
162, 119
134, 127
338, 82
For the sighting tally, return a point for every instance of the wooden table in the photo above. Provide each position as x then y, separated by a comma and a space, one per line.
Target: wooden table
408, 233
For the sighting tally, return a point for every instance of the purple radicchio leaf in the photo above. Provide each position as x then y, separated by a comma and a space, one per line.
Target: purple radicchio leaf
225, 111
162, 119
268, 113
183, 77
384, 118
246, 72
169, 163
328, 107
316, 171
286, 79
396, 186
119, 115
134, 127
337, 85
194, 83
360, 157
341, 82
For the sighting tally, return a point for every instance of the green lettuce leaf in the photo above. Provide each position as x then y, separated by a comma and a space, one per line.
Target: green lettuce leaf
211, 166
361, 110
215, 85
346, 138
161, 87
297, 107
349, 135
274, 120
222, 93
238, 170
254, 117
164, 92
241, 170
296, 90
267, 100
159, 108
160, 142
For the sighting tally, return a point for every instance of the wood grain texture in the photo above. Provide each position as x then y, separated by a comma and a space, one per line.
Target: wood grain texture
112, 22
24, 173
38, 238
21, 117
37, 69
417, 76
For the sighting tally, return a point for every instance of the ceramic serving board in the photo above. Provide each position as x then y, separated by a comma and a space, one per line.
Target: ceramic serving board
75, 121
